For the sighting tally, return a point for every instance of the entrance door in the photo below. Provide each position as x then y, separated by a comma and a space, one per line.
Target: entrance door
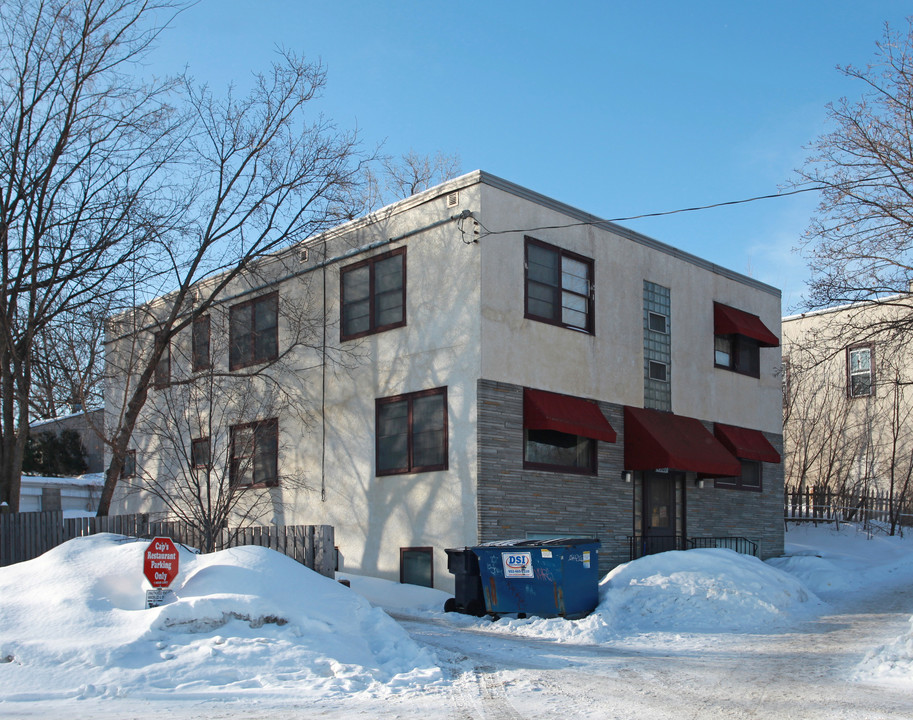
659, 525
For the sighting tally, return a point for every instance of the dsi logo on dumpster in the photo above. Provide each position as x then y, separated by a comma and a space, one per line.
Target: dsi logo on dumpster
517, 564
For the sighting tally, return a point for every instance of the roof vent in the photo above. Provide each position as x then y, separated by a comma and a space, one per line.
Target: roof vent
453, 199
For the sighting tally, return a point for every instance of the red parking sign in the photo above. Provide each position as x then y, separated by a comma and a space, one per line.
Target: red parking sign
160, 562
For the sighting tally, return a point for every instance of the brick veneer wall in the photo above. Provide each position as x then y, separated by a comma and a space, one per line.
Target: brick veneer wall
513, 501
712, 511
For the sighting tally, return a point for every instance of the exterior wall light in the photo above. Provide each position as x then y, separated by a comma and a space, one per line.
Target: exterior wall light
627, 475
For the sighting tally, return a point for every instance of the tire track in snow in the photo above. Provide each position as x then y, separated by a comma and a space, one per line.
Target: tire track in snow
480, 695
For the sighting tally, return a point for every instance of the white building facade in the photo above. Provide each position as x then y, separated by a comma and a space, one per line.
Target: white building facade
488, 363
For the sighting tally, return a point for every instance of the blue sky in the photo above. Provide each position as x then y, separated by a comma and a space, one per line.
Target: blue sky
618, 108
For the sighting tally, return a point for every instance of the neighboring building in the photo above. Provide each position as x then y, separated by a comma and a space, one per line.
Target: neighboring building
89, 425
848, 403
487, 363
74, 496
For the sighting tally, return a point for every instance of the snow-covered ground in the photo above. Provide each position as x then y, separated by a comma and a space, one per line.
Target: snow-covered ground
823, 632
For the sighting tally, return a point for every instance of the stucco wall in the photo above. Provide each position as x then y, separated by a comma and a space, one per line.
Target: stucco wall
609, 363
833, 439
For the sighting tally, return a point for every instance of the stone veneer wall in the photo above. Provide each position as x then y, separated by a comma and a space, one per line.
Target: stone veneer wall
712, 511
513, 501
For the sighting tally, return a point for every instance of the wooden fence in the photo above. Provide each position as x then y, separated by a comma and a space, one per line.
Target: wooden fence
818, 504
24, 536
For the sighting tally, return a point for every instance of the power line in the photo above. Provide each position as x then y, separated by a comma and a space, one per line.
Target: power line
655, 214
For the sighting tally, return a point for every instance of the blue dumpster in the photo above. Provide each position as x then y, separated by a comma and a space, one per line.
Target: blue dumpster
548, 578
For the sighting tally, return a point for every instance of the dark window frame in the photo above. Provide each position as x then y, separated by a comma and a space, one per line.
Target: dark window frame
411, 466
738, 344
849, 374
162, 376
271, 426
197, 362
590, 298
373, 326
591, 468
420, 549
128, 469
194, 459
250, 356
738, 482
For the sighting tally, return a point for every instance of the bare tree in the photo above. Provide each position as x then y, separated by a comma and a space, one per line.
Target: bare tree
209, 438
258, 176
68, 363
860, 245
82, 143
820, 432
404, 176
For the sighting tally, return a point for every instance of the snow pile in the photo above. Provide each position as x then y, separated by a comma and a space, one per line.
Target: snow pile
245, 622
694, 591
701, 591
891, 663
396, 597
835, 561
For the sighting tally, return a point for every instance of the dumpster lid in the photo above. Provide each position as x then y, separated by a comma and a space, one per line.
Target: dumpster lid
547, 542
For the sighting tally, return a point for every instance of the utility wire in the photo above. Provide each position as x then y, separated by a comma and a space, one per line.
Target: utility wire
654, 214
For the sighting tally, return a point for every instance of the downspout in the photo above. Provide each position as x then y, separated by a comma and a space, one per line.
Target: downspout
323, 387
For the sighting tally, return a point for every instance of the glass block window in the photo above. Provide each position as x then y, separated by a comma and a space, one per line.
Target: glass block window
657, 347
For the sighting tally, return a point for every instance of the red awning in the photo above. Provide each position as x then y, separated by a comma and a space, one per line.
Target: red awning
746, 444
729, 321
655, 439
575, 416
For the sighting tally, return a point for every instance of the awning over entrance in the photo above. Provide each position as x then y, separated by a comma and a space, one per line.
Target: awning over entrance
575, 416
729, 321
655, 439
746, 444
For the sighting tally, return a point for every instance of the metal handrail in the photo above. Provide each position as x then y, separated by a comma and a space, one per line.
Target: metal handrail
640, 545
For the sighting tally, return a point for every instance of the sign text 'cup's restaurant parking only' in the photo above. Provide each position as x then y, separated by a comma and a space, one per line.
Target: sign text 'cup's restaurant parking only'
160, 566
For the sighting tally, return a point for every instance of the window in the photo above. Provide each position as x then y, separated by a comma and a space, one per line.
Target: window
750, 479
859, 368
560, 432
657, 346
373, 295
659, 371
556, 450
199, 452
738, 338
559, 286
658, 323
199, 341
416, 566
129, 467
254, 332
255, 454
163, 367
412, 432
737, 353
